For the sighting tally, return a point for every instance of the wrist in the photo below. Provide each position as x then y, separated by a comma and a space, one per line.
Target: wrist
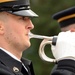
67, 64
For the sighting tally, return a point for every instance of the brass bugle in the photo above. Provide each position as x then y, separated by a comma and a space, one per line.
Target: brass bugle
46, 40
31, 35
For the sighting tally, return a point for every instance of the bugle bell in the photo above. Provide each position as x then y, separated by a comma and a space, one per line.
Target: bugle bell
47, 40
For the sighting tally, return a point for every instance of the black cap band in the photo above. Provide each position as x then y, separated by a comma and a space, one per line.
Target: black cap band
17, 7
15, 2
67, 22
65, 17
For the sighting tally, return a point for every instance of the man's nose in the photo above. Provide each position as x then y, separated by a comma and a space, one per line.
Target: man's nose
30, 25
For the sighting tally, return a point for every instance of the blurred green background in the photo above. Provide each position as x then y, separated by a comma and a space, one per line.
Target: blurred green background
44, 25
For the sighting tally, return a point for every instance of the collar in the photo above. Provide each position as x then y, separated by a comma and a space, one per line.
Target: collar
11, 63
10, 54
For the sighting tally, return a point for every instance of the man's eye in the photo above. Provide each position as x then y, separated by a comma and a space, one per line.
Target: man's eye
22, 18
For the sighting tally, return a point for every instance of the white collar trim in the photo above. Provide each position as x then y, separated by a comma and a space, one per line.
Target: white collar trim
10, 54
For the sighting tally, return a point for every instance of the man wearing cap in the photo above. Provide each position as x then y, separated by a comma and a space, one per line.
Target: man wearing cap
65, 66
15, 25
65, 18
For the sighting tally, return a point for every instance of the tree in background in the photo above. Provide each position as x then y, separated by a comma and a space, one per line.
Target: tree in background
45, 25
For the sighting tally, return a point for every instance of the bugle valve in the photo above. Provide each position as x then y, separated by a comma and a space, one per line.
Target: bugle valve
46, 40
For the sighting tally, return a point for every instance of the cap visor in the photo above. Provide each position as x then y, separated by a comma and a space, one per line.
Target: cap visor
28, 13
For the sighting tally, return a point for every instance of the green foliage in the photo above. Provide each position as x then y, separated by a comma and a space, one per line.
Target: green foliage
45, 25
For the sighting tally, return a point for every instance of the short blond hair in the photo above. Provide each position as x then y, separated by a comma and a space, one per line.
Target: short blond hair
3, 16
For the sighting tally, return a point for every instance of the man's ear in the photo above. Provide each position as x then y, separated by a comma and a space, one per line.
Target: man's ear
1, 27
72, 29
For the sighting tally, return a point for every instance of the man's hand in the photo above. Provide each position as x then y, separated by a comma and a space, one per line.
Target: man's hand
65, 46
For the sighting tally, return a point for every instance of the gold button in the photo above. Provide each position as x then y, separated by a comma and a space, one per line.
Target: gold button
15, 69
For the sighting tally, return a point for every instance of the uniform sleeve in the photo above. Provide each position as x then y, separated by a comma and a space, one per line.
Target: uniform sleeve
54, 68
64, 67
